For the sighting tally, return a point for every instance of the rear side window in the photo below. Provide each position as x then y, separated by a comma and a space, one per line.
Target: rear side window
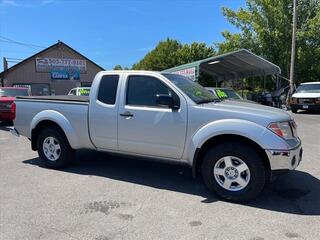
108, 89
143, 90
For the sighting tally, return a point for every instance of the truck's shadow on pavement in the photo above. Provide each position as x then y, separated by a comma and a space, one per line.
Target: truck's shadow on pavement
296, 193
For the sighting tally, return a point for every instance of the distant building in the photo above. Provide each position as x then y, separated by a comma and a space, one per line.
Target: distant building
54, 70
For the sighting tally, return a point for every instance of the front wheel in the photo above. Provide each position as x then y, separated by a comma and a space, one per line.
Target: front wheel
54, 148
234, 171
294, 110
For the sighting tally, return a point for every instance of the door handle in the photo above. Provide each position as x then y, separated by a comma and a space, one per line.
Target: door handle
126, 114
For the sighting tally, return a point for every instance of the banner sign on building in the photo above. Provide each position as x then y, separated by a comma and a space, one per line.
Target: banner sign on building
75, 75
61, 64
188, 72
64, 75
59, 75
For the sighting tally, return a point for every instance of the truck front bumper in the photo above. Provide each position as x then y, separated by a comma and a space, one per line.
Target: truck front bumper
285, 159
311, 107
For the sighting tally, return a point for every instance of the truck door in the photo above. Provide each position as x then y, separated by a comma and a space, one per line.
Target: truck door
103, 113
146, 128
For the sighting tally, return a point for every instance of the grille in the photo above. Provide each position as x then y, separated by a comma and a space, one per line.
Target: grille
307, 100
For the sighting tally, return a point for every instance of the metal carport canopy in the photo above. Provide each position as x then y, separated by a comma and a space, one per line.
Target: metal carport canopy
230, 66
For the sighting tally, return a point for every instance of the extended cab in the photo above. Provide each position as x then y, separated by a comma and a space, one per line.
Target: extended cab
235, 146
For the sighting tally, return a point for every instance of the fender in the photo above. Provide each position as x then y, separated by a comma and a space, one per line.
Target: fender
253, 131
59, 119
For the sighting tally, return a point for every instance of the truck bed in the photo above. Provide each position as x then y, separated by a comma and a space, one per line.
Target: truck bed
64, 98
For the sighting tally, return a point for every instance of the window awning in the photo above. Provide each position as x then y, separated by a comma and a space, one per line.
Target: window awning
230, 66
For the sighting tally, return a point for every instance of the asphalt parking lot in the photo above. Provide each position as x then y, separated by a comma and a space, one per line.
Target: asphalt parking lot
104, 197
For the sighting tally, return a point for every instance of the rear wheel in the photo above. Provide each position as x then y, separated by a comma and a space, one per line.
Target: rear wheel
234, 171
54, 149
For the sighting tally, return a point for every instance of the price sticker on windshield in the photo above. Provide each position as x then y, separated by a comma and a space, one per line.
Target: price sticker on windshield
221, 94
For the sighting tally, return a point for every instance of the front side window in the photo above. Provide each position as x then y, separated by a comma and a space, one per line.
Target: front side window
143, 91
108, 89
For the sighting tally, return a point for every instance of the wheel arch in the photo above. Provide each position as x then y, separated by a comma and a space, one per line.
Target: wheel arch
48, 119
211, 142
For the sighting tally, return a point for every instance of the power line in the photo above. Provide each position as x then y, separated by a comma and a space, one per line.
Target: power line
8, 40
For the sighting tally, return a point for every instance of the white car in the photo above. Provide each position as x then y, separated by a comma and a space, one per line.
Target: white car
80, 91
306, 97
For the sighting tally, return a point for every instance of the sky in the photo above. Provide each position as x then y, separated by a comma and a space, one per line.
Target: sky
109, 32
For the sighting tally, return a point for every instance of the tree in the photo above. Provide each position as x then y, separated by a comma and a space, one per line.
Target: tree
171, 53
196, 51
117, 67
265, 29
162, 57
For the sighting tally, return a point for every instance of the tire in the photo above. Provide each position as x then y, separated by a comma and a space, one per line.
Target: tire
54, 149
294, 110
252, 180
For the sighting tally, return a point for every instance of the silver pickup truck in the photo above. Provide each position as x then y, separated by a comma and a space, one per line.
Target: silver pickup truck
236, 147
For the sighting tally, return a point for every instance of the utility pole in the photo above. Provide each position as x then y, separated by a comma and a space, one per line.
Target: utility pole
293, 46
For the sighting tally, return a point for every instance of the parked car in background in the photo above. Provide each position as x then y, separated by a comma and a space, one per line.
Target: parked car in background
80, 91
7, 96
306, 97
237, 147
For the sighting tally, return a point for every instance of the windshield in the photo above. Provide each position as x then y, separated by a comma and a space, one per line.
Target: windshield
309, 88
84, 91
10, 92
227, 94
192, 89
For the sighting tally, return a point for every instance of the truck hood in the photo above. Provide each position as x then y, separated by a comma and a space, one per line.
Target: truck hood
257, 113
306, 95
6, 99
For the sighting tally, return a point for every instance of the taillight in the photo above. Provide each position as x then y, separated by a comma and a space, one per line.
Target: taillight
13, 111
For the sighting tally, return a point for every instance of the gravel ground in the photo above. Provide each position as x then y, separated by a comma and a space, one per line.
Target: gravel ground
104, 197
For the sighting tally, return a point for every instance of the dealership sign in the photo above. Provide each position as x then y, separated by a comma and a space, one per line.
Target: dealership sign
60, 64
59, 75
188, 72
64, 75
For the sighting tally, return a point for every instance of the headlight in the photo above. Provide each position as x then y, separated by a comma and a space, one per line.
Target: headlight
293, 100
282, 129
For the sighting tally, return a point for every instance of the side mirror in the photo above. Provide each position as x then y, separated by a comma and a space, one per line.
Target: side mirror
166, 101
